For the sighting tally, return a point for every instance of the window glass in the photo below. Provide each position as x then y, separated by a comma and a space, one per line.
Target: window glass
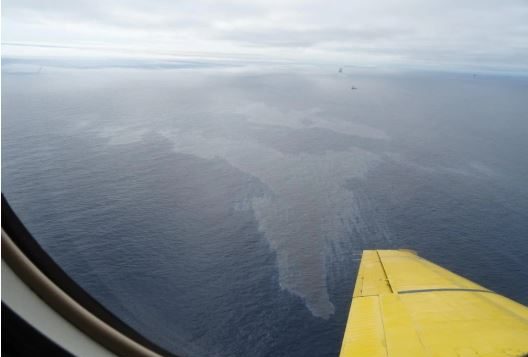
218, 202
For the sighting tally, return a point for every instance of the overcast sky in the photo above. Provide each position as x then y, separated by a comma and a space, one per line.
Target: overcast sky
451, 34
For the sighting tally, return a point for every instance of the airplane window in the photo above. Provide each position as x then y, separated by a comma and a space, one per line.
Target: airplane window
210, 172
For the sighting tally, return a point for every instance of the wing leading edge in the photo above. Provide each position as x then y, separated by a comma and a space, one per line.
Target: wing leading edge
404, 305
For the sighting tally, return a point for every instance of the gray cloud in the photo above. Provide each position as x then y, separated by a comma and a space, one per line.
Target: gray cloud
281, 37
445, 34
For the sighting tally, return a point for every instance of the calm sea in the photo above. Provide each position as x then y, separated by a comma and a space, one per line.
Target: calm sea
222, 210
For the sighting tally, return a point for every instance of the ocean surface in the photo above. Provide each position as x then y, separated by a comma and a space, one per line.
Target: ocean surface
222, 210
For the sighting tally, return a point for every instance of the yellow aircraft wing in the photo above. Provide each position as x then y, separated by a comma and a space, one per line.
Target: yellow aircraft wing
406, 306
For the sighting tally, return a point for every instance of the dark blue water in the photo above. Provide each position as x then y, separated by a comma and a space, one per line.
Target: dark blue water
222, 211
